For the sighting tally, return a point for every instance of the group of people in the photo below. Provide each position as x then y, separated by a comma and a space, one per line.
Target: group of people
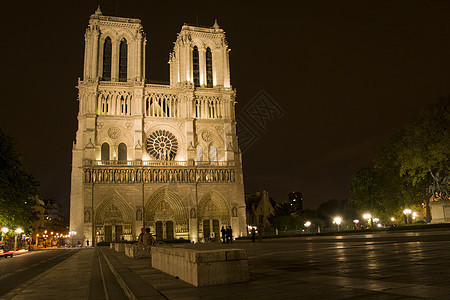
227, 234
145, 239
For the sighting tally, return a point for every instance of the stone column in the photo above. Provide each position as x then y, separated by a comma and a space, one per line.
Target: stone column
95, 55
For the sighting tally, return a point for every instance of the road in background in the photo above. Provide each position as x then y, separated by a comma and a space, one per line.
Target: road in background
21, 268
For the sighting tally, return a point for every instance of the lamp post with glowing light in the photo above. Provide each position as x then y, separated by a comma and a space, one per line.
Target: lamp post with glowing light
406, 212
338, 221
356, 221
307, 225
4, 232
368, 218
414, 215
18, 231
72, 233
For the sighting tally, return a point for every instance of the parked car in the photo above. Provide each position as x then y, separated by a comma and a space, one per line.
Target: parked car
4, 252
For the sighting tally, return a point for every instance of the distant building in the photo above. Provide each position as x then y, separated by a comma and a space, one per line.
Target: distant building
296, 200
54, 217
259, 207
39, 224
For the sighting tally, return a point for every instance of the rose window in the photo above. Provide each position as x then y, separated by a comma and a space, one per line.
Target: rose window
162, 145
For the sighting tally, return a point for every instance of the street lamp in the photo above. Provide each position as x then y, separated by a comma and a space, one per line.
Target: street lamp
72, 233
337, 221
18, 231
368, 218
356, 221
307, 224
406, 212
5, 231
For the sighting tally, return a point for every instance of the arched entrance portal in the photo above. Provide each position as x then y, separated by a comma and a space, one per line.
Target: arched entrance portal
113, 220
213, 213
166, 215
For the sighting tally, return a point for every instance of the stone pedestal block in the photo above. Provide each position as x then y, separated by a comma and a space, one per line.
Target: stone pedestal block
119, 247
440, 211
202, 268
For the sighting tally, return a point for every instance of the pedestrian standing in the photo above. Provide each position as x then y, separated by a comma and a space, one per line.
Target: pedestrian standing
87, 243
141, 238
224, 233
253, 234
229, 235
147, 240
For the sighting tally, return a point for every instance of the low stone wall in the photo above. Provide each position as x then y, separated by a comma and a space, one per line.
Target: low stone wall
134, 251
119, 247
202, 268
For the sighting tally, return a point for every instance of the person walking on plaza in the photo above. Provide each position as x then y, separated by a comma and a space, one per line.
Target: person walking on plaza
253, 234
224, 232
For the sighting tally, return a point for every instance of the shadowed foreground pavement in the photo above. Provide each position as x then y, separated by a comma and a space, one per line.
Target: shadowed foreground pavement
406, 265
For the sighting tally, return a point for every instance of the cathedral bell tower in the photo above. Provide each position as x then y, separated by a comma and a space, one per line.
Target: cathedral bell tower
148, 155
200, 57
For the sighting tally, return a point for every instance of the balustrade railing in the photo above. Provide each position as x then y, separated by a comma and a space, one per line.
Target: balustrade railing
151, 175
159, 163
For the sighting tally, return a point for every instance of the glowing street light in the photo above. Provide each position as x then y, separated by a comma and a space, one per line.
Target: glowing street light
414, 215
5, 231
72, 233
393, 219
18, 231
307, 224
337, 221
406, 212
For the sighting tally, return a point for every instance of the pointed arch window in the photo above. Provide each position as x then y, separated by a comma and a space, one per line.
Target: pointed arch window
196, 66
123, 59
105, 151
213, 154
122, 152
107, 55
199, 153
209, 72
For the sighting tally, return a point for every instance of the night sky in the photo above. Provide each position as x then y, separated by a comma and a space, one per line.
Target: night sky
345, 73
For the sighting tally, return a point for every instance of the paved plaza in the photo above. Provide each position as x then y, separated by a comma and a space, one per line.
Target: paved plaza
386, 265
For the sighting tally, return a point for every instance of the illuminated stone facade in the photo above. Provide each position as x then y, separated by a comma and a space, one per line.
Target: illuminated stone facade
158, 156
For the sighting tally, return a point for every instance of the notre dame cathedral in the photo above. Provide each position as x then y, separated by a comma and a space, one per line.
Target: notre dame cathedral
148, 155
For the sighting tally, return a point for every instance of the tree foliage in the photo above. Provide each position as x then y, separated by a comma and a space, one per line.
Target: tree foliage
17, 188
402, 170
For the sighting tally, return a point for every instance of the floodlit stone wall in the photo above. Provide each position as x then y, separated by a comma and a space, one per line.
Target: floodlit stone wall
150, 155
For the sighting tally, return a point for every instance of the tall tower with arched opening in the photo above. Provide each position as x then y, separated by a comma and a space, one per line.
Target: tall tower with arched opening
159, 156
